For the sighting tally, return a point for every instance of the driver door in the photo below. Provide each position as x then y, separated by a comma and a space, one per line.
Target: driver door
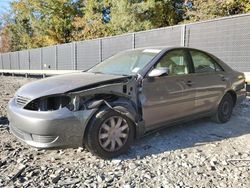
168, 98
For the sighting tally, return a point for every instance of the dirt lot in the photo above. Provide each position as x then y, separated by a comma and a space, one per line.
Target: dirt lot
196, 154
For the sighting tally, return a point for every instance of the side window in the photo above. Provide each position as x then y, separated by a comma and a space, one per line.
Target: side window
175, 61
217, 67
203, 63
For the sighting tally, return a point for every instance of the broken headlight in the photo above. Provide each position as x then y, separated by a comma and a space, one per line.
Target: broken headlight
49, 103
76, 103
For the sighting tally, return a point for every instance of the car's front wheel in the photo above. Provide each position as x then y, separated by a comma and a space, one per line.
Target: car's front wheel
225, 109
109, 134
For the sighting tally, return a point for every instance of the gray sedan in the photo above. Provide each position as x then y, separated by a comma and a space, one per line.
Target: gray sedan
124, 97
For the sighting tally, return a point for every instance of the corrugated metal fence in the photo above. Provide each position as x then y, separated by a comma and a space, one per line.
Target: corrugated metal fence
228, 38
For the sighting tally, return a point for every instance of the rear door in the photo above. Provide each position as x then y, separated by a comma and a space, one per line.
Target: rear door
209, 81
170, 97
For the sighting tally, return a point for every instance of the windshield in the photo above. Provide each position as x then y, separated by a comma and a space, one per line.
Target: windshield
126, 63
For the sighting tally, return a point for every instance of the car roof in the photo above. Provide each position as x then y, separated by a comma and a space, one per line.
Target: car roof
165, 48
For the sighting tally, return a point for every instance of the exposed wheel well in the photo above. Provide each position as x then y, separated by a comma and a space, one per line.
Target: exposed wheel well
234, 96
103, 107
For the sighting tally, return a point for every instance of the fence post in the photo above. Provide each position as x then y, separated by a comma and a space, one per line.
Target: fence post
133, 41
29, 58
18, 60
187, 37
41, 58
56, 59
9, 59
183, 35
100, 50
1, 56
73, 52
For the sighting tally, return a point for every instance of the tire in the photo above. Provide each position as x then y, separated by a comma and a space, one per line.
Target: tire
225, 109
97, 140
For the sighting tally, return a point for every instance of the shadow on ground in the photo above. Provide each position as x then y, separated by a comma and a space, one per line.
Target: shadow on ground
4, 120
194, 133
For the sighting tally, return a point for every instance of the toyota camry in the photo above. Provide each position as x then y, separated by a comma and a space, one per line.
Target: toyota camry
124, 97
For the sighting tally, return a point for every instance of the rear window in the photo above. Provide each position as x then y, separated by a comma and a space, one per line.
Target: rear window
204, 63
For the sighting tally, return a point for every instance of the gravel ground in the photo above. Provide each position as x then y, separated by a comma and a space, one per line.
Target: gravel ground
196, 154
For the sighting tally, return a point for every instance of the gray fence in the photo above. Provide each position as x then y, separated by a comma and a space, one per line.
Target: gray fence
228, 38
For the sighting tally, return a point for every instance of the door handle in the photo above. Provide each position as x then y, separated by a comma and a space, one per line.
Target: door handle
189, 83
222, 77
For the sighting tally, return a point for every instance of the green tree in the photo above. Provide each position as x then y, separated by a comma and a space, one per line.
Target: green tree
209, 9
37, 23
232, 7
5, 44
202, 10
126, 16
19, 26
89, 24
130, 16
53, 20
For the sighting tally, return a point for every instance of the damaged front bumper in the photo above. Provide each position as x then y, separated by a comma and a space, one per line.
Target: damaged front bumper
48, 129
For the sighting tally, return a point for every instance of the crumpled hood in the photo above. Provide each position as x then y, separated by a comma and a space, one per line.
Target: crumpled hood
63, 83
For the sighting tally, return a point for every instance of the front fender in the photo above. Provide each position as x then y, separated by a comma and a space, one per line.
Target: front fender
123, 106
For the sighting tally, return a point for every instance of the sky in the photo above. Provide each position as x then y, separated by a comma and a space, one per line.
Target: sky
4, 6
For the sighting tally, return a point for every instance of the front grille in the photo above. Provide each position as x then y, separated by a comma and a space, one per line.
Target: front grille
22, 101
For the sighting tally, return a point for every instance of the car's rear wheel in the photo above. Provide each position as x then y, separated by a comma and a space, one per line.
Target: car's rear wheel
109, 134
225, 109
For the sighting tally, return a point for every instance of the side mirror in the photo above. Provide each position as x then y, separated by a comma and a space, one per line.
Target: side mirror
158, 72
